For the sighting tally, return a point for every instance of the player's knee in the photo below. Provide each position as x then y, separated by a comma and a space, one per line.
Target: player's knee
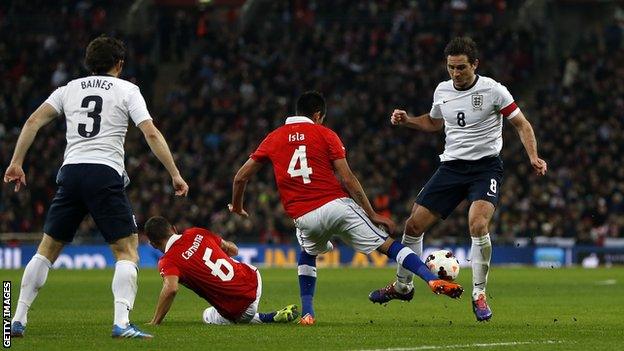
478, 226
125, 253
129, 255
50, 248
413, 228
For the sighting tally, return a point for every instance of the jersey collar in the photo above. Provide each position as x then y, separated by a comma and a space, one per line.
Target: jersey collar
298, 119
469, 87
172, 240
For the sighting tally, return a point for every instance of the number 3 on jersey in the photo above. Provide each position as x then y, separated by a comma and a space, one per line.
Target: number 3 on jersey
303, 171
93, 114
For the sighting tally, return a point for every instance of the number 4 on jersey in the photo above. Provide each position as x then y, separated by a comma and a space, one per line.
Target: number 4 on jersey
303, 171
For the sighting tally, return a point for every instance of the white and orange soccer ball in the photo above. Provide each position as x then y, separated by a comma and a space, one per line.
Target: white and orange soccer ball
443, 264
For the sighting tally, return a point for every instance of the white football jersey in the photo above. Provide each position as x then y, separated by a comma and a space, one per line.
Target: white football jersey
473, 120
97, 110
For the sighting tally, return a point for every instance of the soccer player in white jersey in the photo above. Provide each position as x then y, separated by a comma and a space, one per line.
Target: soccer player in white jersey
92, 178
471, 109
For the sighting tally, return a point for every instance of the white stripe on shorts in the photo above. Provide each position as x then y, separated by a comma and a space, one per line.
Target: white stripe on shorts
404, 252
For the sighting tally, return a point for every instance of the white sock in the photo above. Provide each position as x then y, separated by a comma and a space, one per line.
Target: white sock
34, 277
481, 253
124, 291
404, 282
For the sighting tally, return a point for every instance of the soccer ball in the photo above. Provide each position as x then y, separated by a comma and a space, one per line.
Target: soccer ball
443, 264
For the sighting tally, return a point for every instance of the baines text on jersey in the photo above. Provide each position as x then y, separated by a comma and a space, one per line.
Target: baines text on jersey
96, 83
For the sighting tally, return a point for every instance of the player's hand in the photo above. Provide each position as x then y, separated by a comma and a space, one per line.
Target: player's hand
179, 186
384, 221
539, 166
239, 211
16, 174
398, 117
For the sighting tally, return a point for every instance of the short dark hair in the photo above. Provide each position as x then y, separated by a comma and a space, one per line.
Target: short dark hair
310, 103
103, 53
157, 228
462, 46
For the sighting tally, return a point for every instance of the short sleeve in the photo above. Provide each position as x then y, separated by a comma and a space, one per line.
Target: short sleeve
262, 153
505, 102
436, 112
56, 99
166, 268
215, 238
336, 148
137, 108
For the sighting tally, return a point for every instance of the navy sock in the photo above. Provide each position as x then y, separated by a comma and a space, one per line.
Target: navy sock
267, 317
307, 282
409, 260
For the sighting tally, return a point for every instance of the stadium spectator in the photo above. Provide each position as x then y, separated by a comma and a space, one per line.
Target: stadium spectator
366, 58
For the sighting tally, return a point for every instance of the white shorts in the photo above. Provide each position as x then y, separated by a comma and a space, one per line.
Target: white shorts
341, 217
212, 316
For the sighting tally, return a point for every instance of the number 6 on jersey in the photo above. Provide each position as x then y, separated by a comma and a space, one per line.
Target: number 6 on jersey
303, 171
215, 266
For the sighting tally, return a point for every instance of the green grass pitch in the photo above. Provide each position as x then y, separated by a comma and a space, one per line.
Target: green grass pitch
534, 309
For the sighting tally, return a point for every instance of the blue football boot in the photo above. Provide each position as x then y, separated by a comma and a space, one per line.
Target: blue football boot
17, 329
129, 332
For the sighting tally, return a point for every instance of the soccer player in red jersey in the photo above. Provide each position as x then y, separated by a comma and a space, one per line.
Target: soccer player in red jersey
306, 158
202, 261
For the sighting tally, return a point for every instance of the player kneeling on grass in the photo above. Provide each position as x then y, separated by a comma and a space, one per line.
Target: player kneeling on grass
201, 261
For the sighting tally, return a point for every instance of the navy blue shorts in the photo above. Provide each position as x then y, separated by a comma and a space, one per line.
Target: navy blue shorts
90, 188
457, 180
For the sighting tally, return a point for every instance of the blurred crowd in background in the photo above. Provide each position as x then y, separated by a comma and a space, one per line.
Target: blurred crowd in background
367, 58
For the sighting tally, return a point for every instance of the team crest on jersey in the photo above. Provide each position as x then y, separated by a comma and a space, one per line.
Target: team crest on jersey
477, 102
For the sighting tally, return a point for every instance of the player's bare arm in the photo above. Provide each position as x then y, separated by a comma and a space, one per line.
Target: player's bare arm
158, 145
241, 178
165, 300
527, 136
229, 248
353, 186
422, 122
42, 116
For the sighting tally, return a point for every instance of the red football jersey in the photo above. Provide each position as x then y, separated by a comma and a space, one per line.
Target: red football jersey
197, 259
302, 153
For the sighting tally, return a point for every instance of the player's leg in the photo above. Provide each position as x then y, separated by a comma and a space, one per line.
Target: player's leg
124, 283
65, 214
35, 276
314, 240
103, 192
484, 193
419, 221
479, 217
408, 259
306, 273
124, 286
251, 315
438, 198
364, 236
212, 316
